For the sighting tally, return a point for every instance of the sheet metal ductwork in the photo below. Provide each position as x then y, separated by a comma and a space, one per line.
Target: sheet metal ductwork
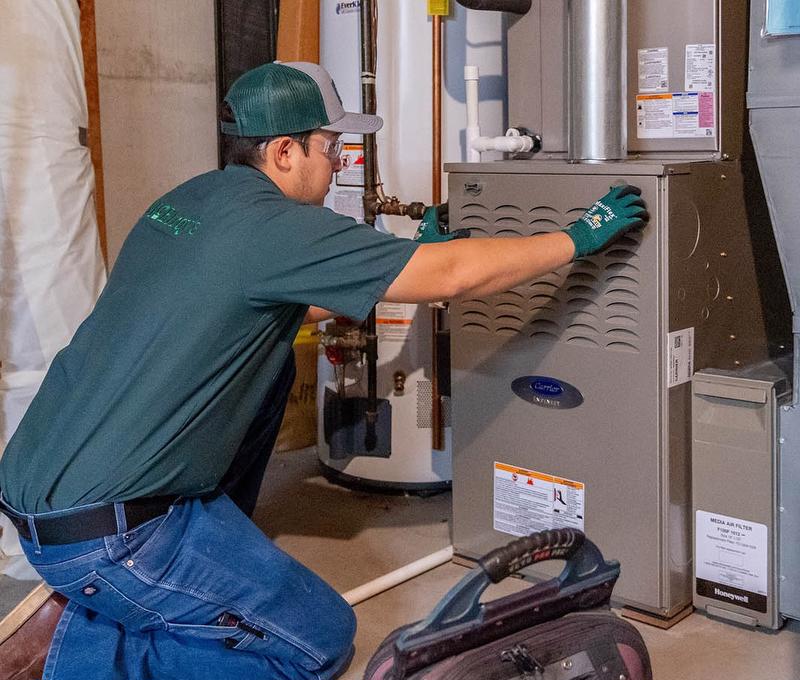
773, 100
597, 61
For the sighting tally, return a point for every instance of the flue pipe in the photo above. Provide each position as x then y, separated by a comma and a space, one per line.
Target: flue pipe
597, 62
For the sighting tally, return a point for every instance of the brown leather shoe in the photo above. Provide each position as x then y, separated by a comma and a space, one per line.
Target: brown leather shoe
26, 632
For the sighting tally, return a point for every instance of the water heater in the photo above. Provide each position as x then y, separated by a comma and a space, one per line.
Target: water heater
403, 77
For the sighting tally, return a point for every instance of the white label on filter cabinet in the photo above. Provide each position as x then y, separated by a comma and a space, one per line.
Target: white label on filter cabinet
393, 321
526, 501
680, 356
654, 69
731, 558
700, 68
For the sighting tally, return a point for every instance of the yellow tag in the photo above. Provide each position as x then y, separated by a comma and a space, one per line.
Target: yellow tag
438, 8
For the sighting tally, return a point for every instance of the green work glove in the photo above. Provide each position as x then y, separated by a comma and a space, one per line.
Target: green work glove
620, 210
430, 229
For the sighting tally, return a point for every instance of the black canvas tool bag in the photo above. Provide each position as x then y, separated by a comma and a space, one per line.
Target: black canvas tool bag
561, 629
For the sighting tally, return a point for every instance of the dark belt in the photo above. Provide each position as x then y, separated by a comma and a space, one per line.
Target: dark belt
83, 524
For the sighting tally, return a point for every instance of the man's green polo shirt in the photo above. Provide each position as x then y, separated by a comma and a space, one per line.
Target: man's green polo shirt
159, 384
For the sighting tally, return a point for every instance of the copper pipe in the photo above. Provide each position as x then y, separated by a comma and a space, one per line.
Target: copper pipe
436, 176
437, 425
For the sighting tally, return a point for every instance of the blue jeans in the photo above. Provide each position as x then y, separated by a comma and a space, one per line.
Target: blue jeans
144, 602
149, 603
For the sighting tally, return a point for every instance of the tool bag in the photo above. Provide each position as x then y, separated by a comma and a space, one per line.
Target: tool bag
560, 629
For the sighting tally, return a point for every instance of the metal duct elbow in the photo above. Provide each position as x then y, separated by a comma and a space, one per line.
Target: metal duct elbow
513, 6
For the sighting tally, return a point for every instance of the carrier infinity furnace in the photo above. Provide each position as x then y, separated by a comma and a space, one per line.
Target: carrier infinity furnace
571, 396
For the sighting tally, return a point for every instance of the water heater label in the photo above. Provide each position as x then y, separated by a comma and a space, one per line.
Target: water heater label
680, 356
393, 321
526, 501
349, 202
352, 172
731, 560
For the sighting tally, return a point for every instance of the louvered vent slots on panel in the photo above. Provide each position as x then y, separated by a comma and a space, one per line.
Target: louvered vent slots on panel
593, 302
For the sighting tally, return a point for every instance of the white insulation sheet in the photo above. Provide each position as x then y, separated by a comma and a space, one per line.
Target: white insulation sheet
51, 269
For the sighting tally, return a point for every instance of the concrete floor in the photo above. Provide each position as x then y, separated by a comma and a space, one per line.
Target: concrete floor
350, 538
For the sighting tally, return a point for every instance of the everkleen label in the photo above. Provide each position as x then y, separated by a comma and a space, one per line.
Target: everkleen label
526, 501
348, 6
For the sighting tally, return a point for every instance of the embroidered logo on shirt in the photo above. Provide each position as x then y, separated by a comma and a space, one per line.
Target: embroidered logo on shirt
178, 225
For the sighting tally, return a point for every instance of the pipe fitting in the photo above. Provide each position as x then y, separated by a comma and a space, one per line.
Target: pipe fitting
512, 142
392, 206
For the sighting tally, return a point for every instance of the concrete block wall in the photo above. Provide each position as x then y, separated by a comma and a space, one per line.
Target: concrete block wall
157, 80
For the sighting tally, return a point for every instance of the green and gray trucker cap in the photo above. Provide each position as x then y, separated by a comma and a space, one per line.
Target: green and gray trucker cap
286, 98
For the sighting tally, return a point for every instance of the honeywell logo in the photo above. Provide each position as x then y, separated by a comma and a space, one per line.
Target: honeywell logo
732, 596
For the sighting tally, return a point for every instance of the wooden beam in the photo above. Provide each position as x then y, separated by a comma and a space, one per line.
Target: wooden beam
298, 31
89, 48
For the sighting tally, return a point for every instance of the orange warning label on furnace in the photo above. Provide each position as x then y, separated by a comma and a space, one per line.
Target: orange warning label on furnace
526, 501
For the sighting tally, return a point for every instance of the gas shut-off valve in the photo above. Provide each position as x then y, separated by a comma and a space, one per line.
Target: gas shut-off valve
344, 343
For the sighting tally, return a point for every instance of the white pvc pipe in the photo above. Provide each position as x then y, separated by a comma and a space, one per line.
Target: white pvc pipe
398, 576
512, 142
471, 77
